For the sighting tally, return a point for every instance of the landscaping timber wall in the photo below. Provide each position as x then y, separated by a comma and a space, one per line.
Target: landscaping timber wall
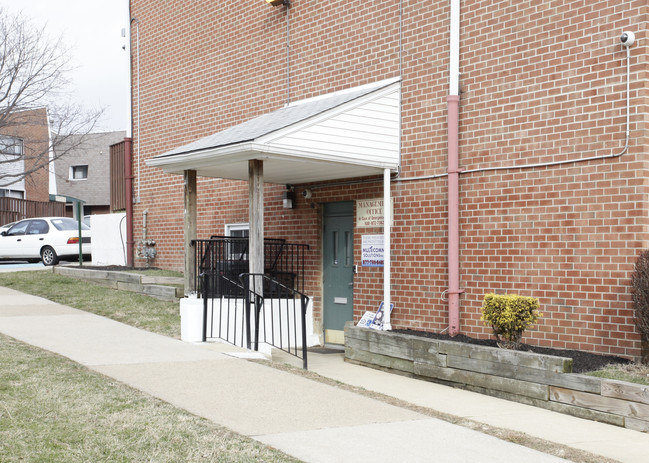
540, 380
127, 281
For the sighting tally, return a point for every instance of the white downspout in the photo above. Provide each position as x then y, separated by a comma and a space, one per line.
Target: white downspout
53, 189
387, 220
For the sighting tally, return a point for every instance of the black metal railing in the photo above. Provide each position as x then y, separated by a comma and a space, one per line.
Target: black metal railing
227, 257
278, 319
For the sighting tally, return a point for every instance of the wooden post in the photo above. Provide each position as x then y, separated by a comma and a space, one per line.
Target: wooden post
256, 215
189, 229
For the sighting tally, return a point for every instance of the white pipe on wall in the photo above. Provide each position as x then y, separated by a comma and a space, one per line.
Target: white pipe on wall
387, 220
454, 51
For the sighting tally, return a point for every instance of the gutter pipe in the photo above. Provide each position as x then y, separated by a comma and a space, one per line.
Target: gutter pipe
453, 115
128, 176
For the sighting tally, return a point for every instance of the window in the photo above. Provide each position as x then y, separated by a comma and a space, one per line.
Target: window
237, 230
67, 224
238, 248
78, 172
6, 193
19, 229
11, 145
38, 227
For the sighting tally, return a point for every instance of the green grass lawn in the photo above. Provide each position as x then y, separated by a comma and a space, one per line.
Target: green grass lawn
55, 410
134, 309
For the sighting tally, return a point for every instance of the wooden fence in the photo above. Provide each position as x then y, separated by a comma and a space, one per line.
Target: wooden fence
13, 209
117, 177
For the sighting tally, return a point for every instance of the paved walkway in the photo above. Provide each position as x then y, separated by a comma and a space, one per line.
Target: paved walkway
304, 418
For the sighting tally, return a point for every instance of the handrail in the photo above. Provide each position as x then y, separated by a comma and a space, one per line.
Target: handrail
257, 290
279, 323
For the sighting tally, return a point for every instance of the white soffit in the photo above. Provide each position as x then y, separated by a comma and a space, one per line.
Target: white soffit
352, 133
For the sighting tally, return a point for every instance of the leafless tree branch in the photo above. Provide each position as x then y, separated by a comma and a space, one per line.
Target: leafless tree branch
33, 70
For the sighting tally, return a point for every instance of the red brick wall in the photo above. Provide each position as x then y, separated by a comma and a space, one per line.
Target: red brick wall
541, 82
32, 126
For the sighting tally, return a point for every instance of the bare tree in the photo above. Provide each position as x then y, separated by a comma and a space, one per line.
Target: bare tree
33, 76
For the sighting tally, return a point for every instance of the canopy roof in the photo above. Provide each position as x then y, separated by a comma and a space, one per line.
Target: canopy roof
351, 133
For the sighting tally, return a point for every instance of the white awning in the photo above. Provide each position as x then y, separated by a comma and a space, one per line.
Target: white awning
351, 133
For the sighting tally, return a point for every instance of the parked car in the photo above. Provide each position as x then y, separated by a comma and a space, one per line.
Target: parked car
46, 238
6, 226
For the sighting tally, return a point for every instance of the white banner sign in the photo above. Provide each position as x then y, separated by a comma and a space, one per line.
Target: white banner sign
372, 251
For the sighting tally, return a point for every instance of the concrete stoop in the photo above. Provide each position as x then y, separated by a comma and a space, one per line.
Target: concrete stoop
127, 281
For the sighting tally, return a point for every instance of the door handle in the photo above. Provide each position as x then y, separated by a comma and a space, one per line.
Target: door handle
351, 284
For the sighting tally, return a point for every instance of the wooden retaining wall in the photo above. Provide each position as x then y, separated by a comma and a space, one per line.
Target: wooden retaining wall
540, 380
126, 281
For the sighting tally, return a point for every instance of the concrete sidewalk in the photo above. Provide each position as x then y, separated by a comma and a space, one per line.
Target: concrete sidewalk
310, 420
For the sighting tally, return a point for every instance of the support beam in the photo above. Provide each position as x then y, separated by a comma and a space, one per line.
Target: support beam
189, 228
256, 215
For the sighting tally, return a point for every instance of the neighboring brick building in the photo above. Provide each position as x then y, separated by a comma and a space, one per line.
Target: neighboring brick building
27, 134
542, 84
83, 172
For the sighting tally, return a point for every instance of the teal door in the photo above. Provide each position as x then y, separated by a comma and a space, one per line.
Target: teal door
338, 269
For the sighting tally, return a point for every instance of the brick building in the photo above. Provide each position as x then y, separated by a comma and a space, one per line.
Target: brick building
83, 172
550, 181
26, 155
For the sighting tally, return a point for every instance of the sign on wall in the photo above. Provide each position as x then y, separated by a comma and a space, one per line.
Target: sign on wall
369, 213
372, 251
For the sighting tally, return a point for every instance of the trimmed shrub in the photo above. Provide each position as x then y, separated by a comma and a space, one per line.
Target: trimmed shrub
640, 297
509, 315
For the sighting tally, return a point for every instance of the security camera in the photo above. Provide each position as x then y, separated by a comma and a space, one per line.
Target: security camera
627, 38
306, 193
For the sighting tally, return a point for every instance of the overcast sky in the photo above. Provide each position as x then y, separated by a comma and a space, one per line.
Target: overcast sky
92, 31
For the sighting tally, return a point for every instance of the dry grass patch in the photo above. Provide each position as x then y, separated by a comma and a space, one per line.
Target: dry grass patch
137, 310
632, 372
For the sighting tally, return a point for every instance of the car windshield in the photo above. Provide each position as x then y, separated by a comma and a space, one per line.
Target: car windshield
68, 224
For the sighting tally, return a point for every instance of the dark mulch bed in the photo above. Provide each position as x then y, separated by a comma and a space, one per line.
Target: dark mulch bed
581, 361
113, 268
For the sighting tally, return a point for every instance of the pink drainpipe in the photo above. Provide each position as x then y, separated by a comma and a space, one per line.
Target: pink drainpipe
453, 216
453, 102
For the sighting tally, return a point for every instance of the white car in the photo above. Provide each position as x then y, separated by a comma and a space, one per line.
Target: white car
45, 238
6, 226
